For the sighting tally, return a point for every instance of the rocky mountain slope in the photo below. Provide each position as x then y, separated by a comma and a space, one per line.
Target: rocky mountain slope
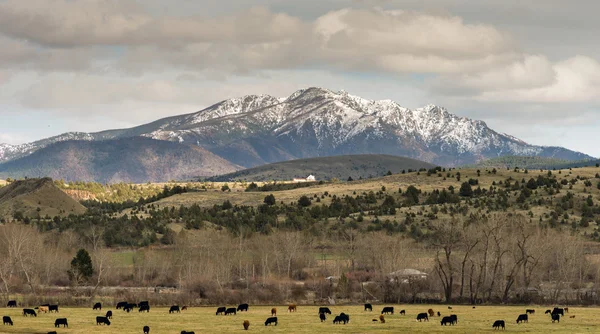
315, 122
135, 160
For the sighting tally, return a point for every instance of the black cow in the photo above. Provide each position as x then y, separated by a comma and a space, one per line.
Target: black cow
498, 324
454, 318
221, 310
325, 310
403, 312
129, 307
98, 306
109, 314
28, 312
388, 310
230, 310
121, 305
184, 332
102, 321
7, 320
529, 311
555, 317
271, 320
548, 312
342, 318
368, 307
422, 316
146, 330
322, 317
12, 303
53, 332
144, 302
447, 321
174, 308
242, 308
439, 314
53, 308
61, 321
522, 318
558, 310
144, 308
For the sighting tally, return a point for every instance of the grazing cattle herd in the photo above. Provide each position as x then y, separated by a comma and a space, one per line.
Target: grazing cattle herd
342, 318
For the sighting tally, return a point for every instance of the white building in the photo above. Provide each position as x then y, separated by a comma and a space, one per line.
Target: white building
310, 178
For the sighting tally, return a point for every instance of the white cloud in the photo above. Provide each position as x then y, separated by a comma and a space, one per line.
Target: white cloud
257, 38
576, 80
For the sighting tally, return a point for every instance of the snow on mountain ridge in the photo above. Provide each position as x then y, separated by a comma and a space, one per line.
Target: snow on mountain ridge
330, 122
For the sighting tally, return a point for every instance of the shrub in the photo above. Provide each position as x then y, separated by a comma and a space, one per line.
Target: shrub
304, 201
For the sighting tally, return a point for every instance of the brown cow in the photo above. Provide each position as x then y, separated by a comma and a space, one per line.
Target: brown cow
292, 308
431, 313
44, 309
572, 316
382, 319
566, 310
246, 324
273, 311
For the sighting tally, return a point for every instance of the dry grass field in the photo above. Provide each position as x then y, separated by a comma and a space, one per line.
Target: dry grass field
306, 320
392, 184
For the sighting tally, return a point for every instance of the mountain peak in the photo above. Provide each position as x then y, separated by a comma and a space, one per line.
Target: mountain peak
256, 129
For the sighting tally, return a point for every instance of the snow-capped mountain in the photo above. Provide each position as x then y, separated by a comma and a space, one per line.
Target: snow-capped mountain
258, 129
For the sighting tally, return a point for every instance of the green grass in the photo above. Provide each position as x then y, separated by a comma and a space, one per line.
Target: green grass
203, 320
123, 258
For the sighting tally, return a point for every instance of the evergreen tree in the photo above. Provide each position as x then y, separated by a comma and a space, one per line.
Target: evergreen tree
412, 195
304, 201
466, 190
81, 267
270, 200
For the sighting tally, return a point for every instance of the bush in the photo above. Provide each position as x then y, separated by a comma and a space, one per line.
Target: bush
304, 201
270, 200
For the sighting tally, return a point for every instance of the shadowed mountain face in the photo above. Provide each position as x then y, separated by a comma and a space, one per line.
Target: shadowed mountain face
33, 197
314, 122
135, 160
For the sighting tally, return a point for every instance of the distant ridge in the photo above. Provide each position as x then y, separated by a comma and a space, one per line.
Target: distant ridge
533, 163
33, 197
131, 160
326, 168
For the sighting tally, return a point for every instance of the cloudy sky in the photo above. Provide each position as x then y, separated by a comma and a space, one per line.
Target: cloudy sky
527, 68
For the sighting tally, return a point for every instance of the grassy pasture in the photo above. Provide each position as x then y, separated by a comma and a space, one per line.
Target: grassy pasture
392, 184
305, 320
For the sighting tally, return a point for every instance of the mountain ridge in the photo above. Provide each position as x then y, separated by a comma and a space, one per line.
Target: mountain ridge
327, 168
253, 130
131, 160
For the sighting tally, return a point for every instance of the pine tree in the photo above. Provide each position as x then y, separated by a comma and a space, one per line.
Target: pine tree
270, 200
466, 190
81, 267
